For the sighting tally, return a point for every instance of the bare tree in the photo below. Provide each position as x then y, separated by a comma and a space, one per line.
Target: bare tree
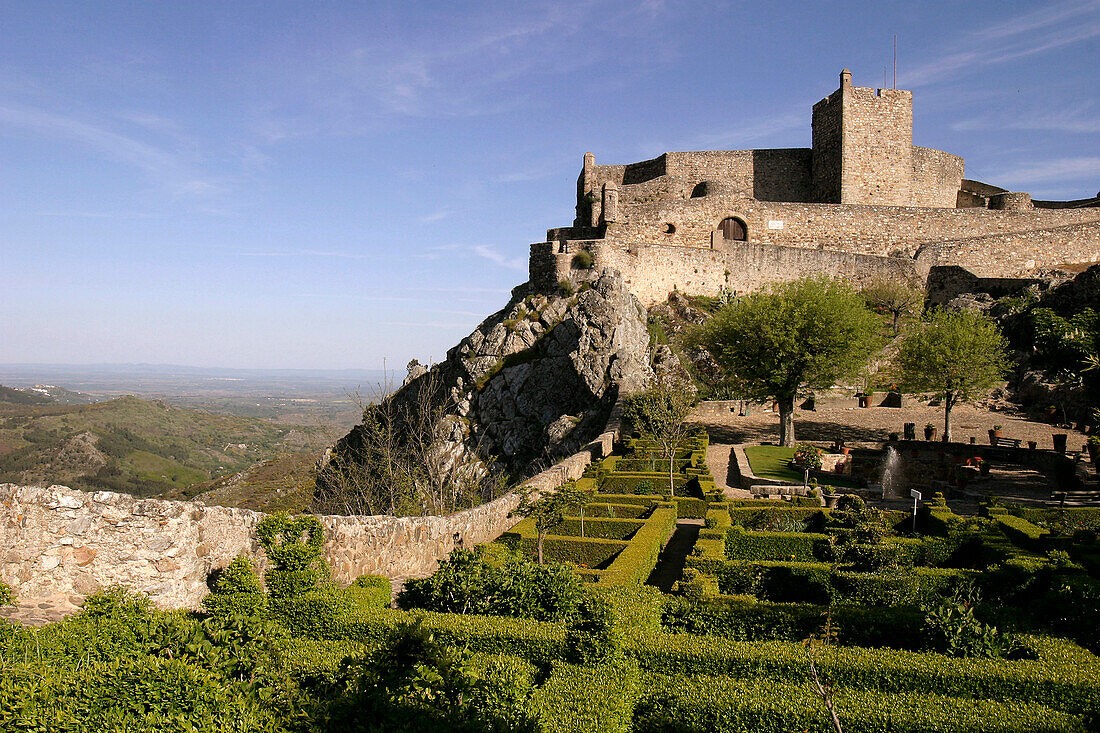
409, 455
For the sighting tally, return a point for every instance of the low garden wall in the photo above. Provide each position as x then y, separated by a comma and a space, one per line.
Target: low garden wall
58, 541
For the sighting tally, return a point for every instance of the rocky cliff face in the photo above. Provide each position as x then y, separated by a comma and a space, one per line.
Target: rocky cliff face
537, 379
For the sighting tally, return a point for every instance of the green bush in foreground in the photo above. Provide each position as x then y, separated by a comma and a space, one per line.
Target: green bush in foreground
236, 590
467, 582
7, 597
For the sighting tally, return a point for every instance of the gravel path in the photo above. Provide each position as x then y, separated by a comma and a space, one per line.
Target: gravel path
869, 426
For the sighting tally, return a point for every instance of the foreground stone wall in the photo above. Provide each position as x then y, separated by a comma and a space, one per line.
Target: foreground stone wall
60, 542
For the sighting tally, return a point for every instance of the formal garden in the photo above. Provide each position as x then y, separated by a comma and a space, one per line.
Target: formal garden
786, 608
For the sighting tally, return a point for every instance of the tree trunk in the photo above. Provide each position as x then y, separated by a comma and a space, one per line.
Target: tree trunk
671, 453
786, 420
540, 546
948, 403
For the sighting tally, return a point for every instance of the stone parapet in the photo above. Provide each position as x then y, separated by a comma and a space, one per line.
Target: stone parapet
60, 542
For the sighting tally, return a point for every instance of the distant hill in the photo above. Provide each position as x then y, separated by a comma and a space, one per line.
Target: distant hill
141, 447
23, 397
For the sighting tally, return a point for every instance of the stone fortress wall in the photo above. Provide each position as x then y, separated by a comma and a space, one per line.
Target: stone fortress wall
863, 202
62, 543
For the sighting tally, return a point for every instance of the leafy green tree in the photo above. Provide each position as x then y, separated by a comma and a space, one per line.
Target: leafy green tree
896, 297
575, 498
546, 510
791, 338
659, 414
959, 355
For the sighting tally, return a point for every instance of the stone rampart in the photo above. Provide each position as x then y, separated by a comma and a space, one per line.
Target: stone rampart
875, 230
1016, 254
60, 542
652, 271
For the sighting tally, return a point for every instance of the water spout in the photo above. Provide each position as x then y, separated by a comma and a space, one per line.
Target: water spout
891, 474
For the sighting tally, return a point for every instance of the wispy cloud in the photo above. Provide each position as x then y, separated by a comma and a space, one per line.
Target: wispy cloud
1083, 120
1047, 28
1061, 169
512, 263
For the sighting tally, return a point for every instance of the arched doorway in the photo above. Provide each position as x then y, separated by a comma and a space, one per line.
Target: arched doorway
733, 229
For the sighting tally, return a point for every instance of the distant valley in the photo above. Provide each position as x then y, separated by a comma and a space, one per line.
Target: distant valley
236, 438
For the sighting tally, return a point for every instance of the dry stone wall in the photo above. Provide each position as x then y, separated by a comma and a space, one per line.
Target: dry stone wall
58, 542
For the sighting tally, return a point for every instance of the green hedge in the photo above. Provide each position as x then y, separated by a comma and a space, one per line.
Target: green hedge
746, 619
686, 506
750, 515
626, 483
707, 556
728, 705
634, 564
591, 552
1081, 516
1064, 676
609, 510
579, 699
1021, 532
821, 583
745, 545
607, 529
938, 520
794, 501
540, 642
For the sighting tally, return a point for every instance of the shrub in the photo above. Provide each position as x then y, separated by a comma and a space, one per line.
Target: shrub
293, 547
7, 597
633, 565
583, 260
729, 705
372, 591
952, 628
743, 545
117, 602
594, 635
807, 455
581, 699
1021, 532
467, 583
565, 287
236, 589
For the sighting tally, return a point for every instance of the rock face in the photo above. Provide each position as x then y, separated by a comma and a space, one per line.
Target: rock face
537, 379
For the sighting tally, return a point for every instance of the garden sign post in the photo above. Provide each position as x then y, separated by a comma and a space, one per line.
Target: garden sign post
916, 497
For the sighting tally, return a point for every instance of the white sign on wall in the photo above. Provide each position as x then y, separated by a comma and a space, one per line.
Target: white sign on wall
773, 224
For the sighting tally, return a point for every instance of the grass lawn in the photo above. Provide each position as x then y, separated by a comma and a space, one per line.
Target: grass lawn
770, 461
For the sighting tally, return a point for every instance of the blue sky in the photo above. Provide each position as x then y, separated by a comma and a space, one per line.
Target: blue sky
324, 184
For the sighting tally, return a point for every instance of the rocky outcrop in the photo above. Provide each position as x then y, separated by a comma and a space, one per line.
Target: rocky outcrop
536, 380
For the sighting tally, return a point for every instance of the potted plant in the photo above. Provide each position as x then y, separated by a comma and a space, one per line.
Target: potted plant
994, 434
830, 497
1060, 441
1032, 445
865, 398
1093, 446
982, 464
929, 432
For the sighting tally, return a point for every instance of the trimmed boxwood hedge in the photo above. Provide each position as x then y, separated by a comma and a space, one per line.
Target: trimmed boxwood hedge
749, 515
578, 699
595, 527
729, 705
744, 545
1021, 532
1064, 676
610, 510
821, 583
634, 564
746, 619
592, 552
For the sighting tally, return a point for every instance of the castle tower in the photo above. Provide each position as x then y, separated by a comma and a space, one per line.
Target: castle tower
863, 146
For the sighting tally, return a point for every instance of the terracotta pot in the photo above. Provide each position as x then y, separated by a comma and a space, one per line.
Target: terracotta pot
1060, 441
993, 435
1032, 445
984, 468
844, 450
929, 433
831, 500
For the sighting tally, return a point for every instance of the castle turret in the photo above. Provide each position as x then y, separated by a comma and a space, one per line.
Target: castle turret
863, 146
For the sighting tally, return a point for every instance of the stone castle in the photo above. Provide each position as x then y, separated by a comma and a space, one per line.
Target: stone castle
862, 203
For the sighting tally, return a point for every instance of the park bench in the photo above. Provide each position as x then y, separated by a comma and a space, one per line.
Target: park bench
1006, 442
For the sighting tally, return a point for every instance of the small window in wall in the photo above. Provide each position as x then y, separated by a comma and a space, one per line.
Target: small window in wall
733, 229
670, 228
